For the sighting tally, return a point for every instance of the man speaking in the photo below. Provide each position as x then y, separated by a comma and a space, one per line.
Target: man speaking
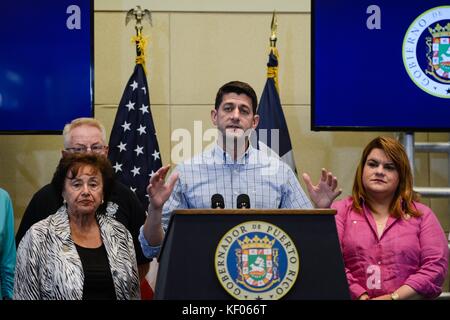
231, 169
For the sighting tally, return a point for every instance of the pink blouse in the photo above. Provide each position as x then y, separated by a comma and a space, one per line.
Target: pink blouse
412, 251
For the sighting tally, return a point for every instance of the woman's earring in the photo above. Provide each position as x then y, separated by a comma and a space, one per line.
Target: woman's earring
103, 201
64, 202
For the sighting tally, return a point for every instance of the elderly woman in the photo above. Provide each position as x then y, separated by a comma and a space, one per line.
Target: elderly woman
393, 246
78, 253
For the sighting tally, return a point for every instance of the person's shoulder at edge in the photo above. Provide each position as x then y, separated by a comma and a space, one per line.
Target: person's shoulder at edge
4, 193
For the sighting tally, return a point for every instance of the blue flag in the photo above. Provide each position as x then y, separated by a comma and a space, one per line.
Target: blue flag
272, 117
133, 146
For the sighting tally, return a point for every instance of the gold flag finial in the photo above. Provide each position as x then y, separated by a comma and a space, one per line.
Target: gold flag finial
141, 42
273, 27
272, 70
138, 14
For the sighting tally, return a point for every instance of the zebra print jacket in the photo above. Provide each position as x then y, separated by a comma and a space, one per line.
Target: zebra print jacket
49, 268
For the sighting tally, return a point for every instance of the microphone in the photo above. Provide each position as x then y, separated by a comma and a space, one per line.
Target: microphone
243, 201
217, 201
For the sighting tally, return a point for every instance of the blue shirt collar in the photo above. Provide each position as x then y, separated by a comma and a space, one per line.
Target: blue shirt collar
222, 156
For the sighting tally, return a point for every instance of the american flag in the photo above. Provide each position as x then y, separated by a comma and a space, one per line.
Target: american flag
133, 146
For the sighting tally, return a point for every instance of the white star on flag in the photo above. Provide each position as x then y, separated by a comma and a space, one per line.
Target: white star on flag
133, 189
141, 129
130, 105
155, 155
135, 171
144, 109
138, 150
118, 167
126, 126
134, 85
122, 146
144, 89
151, 174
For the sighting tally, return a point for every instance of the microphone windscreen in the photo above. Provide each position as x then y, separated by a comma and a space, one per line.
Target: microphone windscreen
243, 201
217, 201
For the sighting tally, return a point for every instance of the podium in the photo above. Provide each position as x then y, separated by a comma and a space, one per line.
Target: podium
191, 265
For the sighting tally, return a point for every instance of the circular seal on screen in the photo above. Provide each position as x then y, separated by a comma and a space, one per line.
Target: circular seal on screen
256, 260
426, 51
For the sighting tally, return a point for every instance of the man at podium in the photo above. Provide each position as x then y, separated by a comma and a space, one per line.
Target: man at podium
232, 174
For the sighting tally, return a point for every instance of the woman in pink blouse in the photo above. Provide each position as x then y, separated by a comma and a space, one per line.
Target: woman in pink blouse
393, 246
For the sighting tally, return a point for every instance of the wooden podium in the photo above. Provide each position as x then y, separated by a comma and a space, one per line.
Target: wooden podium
187, 268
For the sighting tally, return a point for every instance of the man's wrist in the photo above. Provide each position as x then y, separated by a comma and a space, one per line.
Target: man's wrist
152, 208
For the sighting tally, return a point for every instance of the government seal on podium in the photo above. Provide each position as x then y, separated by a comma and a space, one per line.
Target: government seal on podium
256, 260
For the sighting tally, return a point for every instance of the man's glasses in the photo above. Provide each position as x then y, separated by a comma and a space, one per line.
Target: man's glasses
97, 148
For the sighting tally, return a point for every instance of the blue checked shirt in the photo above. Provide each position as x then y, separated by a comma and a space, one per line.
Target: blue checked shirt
269, 183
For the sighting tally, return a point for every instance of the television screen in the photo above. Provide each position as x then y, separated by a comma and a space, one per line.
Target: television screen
380, 65
45, 64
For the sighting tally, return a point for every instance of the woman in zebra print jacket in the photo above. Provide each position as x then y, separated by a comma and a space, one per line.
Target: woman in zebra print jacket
77, 253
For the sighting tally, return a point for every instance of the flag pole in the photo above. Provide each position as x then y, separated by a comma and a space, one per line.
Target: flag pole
272, 72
